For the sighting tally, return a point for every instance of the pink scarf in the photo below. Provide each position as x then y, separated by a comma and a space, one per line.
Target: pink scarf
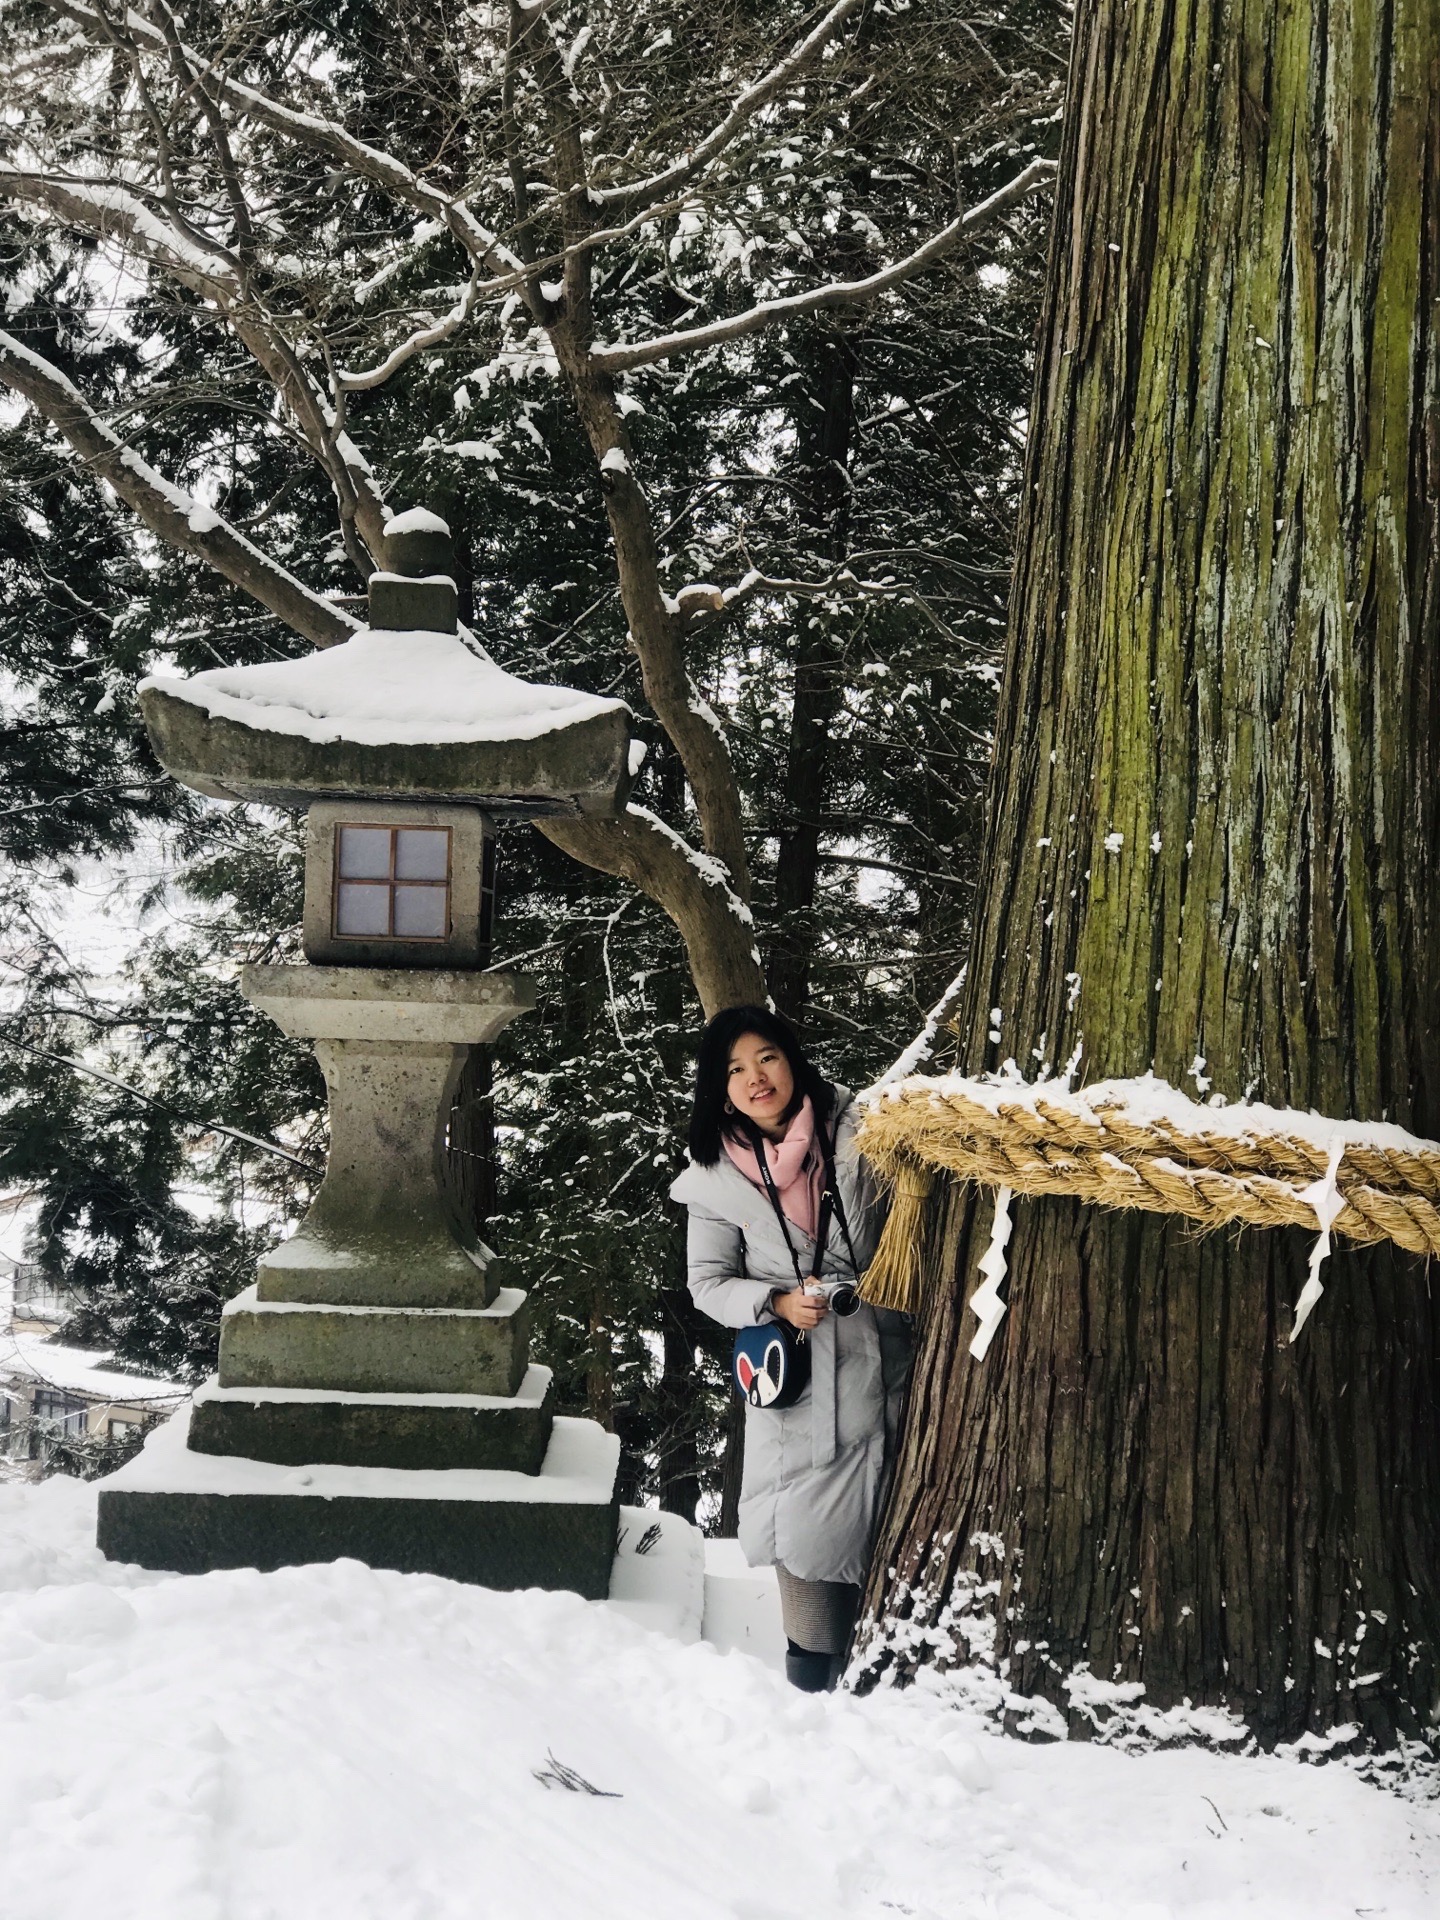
796, 1166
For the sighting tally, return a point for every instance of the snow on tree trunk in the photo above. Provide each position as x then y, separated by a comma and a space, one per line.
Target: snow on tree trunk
1213, 850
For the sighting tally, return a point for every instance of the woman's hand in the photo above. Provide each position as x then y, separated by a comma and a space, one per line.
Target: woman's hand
799, 1308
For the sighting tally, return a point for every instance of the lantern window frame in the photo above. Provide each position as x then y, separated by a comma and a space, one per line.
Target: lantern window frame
393, 882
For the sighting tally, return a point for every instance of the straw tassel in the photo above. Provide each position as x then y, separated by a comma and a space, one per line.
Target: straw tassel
893, 1277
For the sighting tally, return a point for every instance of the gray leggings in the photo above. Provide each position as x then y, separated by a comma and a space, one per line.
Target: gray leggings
817, 1614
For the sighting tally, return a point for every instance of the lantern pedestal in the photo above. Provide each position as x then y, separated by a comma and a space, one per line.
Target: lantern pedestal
391, 1043
375, 1396
176, 1508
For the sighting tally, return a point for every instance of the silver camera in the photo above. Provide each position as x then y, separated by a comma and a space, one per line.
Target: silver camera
842, 1295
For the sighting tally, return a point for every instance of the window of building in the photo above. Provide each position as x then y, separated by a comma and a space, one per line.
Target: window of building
38, 1296
53, 1416
392, 883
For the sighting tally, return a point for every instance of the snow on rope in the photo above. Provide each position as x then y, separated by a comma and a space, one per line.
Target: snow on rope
1139, 1143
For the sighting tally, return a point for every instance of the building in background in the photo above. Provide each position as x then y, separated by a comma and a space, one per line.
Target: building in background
56, 1398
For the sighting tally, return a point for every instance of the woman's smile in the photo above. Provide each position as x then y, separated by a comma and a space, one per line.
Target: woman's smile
760, 1083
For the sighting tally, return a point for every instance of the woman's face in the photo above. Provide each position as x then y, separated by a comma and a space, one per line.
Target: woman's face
760, 1083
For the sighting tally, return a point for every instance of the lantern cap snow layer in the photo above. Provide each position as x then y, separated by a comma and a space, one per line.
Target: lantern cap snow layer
398, 711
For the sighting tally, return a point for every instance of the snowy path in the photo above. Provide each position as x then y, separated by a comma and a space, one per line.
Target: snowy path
334, 1742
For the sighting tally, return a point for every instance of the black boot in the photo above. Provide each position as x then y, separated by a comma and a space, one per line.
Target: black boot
808, 1671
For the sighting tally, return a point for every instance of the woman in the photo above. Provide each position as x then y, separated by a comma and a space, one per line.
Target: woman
814, 1471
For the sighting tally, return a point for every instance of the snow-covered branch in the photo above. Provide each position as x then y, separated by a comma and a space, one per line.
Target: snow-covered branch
698, 604
756, 582
842, 293
923, 1045
685, 884
170, 513
431, 336
314, 132
750, 102
109, 209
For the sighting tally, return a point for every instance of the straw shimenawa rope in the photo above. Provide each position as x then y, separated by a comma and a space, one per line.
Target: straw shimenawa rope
1113, 1158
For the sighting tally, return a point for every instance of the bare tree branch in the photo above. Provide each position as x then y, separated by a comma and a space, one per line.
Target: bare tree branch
843, 293
548, 263
170, 513
694, 730
163, 1106
111, 210
191, 82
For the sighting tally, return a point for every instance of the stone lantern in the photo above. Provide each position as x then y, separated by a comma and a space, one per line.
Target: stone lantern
375, 1395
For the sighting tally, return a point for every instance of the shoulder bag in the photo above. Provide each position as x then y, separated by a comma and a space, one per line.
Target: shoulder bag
770, 1364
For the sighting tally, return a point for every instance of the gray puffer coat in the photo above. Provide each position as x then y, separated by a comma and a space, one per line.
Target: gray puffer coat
814, 1472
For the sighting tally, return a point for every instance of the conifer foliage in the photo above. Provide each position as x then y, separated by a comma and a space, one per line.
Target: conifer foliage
708, 331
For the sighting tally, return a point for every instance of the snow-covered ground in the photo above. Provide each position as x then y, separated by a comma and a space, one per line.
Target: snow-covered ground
332, 1743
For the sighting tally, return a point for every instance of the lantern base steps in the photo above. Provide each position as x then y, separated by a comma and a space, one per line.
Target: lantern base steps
297, 1426
371, 1349
185, 1511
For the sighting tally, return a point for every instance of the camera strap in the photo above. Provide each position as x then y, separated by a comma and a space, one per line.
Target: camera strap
829, 1204
832, 1193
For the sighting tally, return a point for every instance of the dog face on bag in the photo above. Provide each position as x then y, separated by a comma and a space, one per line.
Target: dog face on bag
770, 1366
761, 1384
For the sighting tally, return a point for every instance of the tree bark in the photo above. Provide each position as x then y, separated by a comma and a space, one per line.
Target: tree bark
818, 678
1212, 851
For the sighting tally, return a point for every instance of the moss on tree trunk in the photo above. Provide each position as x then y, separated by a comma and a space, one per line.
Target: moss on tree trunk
1213, 852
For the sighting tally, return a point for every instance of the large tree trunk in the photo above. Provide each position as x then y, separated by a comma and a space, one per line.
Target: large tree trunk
1224, 648
825, 424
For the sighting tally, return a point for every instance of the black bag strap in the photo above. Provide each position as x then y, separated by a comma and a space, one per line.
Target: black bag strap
832, 1190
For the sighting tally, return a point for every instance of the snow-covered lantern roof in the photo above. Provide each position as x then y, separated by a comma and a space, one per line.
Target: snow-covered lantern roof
404, 709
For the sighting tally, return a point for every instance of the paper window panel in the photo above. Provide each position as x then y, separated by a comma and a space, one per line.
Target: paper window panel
392, 883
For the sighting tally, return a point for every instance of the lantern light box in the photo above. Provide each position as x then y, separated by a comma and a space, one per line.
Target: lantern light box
398, 885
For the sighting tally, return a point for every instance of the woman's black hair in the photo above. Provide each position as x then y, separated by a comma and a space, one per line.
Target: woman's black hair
709, 1121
